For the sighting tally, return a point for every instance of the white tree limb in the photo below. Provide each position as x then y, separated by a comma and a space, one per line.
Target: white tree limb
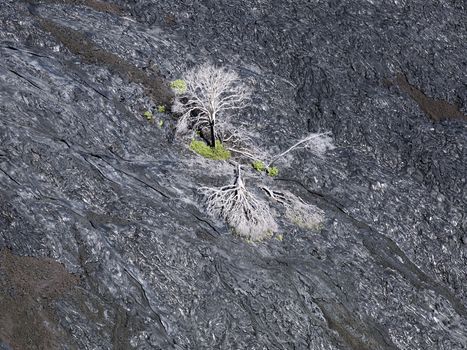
248, 215
317, 143
296, 210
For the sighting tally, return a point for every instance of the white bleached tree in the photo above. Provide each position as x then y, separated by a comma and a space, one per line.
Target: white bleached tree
246, 213
208, 105
316, 143
212, 97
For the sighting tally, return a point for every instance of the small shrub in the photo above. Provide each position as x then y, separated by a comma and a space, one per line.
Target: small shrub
216, 153
179, 86
148, 115
258, 165
161, 109
272, 171
161, 123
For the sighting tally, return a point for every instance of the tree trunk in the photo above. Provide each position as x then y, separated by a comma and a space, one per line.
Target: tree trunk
213, 136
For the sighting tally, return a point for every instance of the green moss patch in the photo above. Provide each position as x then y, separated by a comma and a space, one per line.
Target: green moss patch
216, 153
258, 165
272, 171
179, 86
148, 115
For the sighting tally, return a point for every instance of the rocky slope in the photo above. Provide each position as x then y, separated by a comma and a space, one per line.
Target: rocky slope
104, 240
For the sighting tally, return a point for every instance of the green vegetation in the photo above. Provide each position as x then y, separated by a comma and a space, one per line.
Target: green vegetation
179, 86
204, 104
161, 109
251, 240
258, 165
272, 171
161, 123
305, 223
217, 153
148, 115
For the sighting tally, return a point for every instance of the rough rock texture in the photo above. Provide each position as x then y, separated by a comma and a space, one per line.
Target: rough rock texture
28, 284
106, 244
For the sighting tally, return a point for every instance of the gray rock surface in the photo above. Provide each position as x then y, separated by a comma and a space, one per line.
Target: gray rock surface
91, 189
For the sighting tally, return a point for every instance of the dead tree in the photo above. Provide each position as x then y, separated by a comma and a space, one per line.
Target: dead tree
212, 94
246, 213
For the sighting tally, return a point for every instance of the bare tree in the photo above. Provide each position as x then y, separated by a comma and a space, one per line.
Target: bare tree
212, 93
297, 211
240, 141
208, 105
249, 215
317, 143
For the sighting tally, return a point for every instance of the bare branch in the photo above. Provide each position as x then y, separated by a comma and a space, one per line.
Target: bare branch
211, 96
241, 141
317, 143
297, 211
248, 215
